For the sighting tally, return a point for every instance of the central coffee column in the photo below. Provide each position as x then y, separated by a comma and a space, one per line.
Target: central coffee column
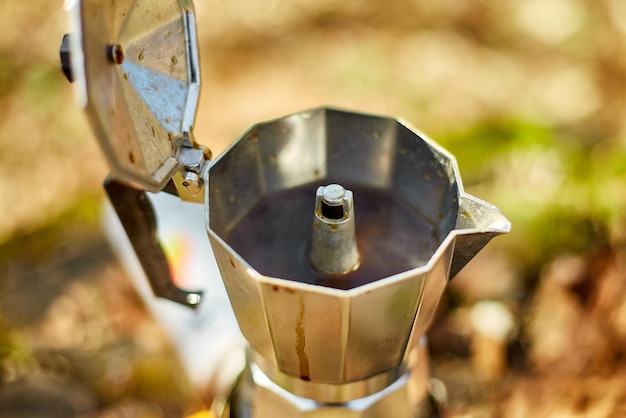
334, 246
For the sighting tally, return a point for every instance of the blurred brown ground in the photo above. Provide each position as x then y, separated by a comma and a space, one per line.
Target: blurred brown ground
75, 335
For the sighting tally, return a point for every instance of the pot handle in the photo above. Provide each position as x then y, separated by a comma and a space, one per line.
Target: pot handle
139, 221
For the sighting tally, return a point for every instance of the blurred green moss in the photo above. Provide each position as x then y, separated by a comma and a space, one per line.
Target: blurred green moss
13, 353
6, 342
8, 69
42, 86
83, 214
563, 191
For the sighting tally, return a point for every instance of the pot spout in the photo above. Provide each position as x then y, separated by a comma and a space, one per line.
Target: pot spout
477, 223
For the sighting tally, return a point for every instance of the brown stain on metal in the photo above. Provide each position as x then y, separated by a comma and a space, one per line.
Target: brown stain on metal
232, 262
301, 345
277, 288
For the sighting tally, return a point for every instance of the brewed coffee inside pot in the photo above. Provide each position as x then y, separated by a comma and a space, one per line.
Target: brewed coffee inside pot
275, 236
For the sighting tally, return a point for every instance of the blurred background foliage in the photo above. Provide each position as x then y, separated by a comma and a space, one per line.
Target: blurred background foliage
564, 194
528, 94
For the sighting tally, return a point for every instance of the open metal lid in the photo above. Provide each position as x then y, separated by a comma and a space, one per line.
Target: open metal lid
137, 65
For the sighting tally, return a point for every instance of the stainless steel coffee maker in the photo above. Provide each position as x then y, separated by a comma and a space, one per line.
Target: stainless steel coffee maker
335, 232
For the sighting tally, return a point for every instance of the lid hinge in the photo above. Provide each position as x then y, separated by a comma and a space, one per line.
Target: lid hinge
189, 182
